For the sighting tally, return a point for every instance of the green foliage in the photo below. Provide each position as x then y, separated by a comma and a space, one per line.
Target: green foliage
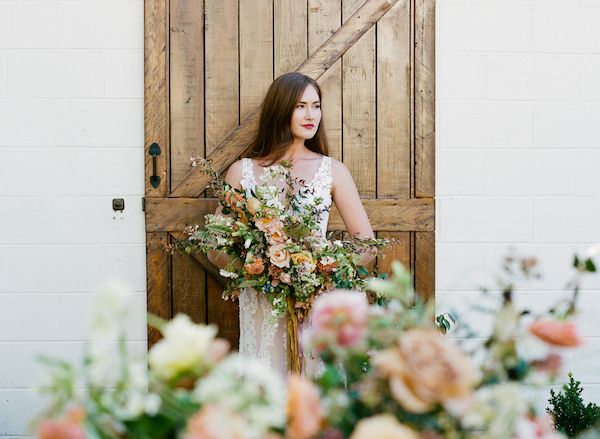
571, 416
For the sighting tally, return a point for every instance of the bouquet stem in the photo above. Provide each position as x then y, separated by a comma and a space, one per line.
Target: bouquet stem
295, 357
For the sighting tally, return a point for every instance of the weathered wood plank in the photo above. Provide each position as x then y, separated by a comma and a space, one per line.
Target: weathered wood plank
237, 141
425, 98
324, 19
425, 264
187, 85
290, 39
221, 71
158, 281
400, 251
393, 215
256, 65
201, 259
223, 313
189, 288
359, 124
394, 102
222, 116
156, 99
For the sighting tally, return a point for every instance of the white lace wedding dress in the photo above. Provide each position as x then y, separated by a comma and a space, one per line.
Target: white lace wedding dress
259, 338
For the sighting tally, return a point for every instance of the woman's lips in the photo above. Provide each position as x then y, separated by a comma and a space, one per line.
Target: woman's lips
309, 126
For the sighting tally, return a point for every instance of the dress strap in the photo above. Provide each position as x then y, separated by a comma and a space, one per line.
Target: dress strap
323, 179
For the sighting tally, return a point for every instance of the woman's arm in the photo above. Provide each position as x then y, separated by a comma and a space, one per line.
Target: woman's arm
346, 199
233, 177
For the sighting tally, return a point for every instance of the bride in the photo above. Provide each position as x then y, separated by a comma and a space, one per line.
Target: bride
290, 128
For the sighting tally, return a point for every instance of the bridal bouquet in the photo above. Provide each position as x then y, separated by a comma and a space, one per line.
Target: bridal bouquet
274, 240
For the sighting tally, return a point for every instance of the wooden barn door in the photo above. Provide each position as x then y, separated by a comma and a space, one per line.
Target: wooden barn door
208, 65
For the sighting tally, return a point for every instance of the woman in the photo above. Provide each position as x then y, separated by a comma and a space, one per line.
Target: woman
290, 128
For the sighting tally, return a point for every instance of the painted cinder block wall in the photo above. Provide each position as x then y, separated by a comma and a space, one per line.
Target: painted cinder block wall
517, 153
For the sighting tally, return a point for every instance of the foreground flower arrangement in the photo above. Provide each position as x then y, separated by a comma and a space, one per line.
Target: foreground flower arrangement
274, 243
389, 372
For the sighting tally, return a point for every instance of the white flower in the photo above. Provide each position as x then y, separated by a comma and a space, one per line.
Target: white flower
226, 273
338, 243
184, 348
246, 386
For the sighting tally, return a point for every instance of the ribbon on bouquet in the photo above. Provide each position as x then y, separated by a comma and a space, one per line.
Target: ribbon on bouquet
295, 352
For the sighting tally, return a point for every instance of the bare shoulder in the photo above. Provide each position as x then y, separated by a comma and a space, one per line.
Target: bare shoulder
234, 174
339, 171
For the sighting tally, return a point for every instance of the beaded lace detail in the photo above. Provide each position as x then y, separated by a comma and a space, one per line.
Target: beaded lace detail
259, 337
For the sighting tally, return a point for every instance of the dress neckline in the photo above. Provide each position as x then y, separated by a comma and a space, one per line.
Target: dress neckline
310, 184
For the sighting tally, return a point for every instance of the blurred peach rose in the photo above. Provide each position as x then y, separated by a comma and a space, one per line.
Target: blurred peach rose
305, 413
214, 422
425, 368
253, 205
382, 427
68, 428
556, 333
279, 256
339, 317
256, 267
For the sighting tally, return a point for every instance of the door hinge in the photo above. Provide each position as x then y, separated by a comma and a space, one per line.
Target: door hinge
143, 204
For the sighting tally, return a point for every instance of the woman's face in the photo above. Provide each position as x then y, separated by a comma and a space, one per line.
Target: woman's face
307, 115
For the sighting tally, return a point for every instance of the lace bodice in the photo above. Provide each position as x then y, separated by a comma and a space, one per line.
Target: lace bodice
259, 337
320, 186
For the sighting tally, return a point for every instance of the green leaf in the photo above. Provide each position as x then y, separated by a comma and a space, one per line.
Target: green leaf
575, 261
589, 266
362, 271
250, 283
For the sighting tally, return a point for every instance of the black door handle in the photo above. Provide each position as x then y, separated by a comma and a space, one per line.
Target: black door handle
154, 152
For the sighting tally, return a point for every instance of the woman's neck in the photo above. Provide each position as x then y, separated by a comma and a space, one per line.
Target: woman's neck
297, 150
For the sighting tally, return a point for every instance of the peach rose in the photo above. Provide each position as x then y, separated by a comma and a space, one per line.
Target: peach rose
214, 422
253, 205
305, 413
256, 267
285, 278
68, 428
277, 236
279, 256
556, 333
302, 258
267, 224
424, 369
382, 427
339, 317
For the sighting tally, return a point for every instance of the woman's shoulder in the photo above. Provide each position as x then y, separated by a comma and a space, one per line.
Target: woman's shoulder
235, 173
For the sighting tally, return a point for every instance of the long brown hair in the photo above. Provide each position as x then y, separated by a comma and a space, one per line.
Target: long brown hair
274, 133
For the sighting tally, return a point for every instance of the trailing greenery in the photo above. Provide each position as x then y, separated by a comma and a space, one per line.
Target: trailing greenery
571, 416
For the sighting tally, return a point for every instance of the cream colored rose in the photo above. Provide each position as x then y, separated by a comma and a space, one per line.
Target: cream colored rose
279, 256
267, 224
277, 236
424, 369
382, 427
184, 348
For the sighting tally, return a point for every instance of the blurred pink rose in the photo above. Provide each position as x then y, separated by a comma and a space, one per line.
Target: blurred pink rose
214, 422
556, 333
340, 317
68, 428
529, 427
305, 414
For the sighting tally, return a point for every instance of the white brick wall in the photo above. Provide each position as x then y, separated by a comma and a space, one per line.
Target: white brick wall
517, 111
71, 139
518, 153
